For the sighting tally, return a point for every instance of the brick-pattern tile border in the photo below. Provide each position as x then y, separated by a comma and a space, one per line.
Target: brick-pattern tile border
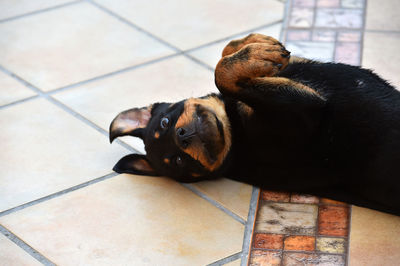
293, 229
326, 30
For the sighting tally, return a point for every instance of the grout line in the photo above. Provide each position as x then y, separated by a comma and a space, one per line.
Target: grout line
57, 194
132, 25
19, 101
87, 121
113, 73
380, 31
362, 31
66, 108
226, 260
348, 235
171, 46
19, 242
39, 11
213, 202
27, 84
248, 231
129, 68
311, 28
233, 36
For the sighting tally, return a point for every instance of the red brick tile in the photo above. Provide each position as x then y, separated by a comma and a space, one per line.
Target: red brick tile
303, 243
301, 198
265, 257
331, 202
349, 36
275, 196
268, 241
333, 220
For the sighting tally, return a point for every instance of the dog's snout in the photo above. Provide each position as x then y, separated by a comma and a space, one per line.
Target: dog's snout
181, 132
184, 137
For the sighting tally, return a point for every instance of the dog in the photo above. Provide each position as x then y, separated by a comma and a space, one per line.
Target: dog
281, 123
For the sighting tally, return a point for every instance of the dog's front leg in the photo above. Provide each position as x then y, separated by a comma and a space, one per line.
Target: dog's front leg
248, 71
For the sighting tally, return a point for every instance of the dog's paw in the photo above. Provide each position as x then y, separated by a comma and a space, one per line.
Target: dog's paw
253, 60
238, 44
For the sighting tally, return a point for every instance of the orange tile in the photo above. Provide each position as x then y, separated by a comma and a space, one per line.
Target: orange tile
268, 241
275, 196
302, 198
333, 220
305, 243
265, 258
331, 202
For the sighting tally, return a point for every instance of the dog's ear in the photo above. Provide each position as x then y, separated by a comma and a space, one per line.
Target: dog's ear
134, 164
131, 122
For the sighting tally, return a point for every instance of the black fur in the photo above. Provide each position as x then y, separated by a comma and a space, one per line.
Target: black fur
347, 149
342, 143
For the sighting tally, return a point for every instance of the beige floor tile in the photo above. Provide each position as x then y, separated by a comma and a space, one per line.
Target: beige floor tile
11, 8
12, 90
233, 195
128, 220
169, 80
45, 149
383, 15
212, 54
233, 263
380, 53
71, 44
187, 24
374, 238
11, 254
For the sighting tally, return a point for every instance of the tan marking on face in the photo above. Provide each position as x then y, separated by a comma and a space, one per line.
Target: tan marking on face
197, 150
156, 135
166, 160
244, 109
195, 175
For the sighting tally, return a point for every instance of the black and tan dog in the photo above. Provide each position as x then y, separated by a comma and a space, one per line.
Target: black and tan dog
280, 123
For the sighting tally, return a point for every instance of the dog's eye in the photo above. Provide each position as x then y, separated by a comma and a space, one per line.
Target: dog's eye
164, 122
179, 161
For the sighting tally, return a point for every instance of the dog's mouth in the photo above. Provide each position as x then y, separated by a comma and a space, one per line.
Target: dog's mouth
211, 133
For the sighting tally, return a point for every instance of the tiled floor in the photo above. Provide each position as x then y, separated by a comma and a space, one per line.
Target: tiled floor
68, 67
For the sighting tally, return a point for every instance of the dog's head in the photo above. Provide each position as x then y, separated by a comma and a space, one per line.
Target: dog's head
187, 140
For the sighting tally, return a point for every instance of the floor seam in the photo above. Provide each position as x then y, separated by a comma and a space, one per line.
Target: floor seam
40, 11
248, 231
178, 52
66, 109
226, 260
27, 99
214, 203
23, 245
57, 194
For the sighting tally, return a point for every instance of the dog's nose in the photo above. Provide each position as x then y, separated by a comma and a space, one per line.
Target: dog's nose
183, 136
